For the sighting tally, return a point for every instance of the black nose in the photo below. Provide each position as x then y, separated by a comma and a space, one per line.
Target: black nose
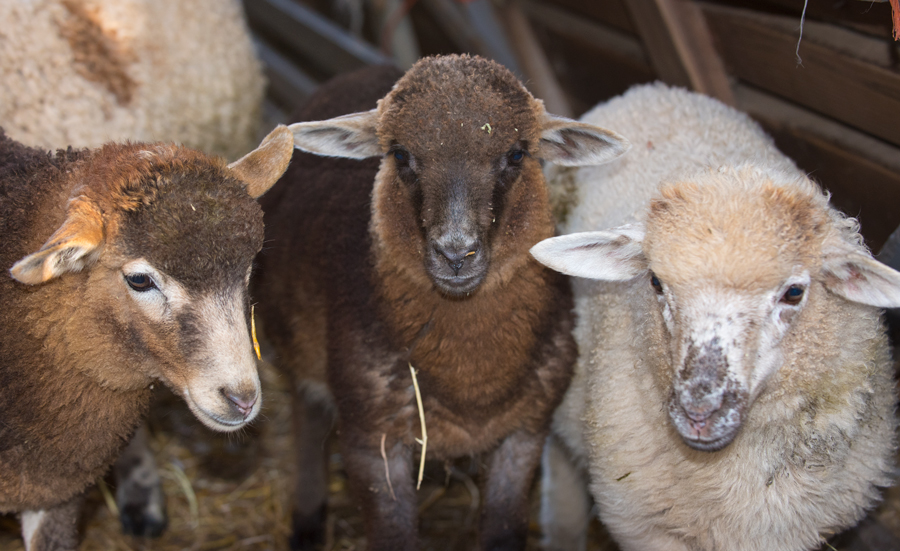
456, 256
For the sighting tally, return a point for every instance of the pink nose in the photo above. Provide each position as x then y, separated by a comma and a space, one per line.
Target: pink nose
244, 402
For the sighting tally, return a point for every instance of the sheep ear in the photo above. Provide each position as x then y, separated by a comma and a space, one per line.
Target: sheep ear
352, 136
263, 166
614, 255
74, 246
572, 143
861, 278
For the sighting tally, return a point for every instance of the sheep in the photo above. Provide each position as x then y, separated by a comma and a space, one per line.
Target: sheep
425, 269
84, 72
734, 387
129, 264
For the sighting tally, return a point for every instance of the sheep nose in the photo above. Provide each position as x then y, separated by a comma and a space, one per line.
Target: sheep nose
243, 401
456, 256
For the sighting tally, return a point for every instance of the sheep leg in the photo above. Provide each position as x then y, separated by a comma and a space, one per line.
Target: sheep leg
139, 493
565, 502
54, 529
384, 486
313, 418
510, 473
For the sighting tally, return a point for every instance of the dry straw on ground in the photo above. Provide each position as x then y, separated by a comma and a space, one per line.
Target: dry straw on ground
232, 492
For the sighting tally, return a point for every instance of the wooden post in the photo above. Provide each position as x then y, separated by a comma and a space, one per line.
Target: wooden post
680, 46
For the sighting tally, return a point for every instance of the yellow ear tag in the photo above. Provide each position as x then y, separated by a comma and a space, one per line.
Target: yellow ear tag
253, 333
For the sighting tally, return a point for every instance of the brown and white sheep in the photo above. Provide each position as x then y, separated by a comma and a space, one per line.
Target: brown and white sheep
429, 268
129, 265
734, 387
86, 72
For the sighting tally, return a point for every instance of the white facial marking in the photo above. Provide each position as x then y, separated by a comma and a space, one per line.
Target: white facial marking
725, 346
164, 298
31, 523
229, 365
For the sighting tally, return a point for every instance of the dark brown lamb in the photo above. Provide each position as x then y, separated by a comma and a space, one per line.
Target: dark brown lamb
429, 268
129, 265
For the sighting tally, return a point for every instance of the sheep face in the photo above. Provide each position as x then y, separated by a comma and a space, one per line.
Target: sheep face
158, 244
732, 262
460, 184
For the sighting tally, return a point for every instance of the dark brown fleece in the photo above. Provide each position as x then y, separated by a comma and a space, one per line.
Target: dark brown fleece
75, 367
345, 295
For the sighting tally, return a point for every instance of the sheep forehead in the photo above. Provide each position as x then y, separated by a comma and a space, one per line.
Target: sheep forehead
198, 230
463, 103
747, 235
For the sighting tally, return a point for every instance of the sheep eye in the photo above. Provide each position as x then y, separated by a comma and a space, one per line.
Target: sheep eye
655, 283
140, 282
401, 156
515, 157
793, 295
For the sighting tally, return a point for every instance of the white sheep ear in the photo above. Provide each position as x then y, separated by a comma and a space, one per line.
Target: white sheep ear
861, 278
263, 166
352, 136
73, 247
571, 143
613, 255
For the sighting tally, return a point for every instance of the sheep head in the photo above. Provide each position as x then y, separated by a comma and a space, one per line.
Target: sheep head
155, 253
460, 186
733, 262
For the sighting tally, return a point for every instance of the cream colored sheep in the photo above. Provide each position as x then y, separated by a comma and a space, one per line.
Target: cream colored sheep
734, 387
85, 72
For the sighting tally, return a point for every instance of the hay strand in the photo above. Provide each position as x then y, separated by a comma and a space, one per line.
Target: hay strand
424, 440
253, 332
108, 498
387, 471
185, 484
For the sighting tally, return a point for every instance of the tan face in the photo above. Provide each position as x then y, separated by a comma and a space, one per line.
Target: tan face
202, 342
725, 344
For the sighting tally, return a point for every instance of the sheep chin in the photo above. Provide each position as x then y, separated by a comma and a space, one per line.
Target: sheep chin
215, 421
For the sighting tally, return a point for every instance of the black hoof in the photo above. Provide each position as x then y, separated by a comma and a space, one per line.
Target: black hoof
309, 530
136, 522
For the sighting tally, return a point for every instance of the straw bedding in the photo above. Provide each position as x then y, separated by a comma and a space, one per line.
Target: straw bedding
232, 492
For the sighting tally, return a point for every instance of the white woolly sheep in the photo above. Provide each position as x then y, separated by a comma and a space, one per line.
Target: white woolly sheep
734, 386
84, 72
130, 265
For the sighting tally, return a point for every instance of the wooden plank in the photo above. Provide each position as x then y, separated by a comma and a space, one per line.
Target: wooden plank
539, 76
658, 42
680, 46
588, 69
288, 85
309, 35
872, 17
758, 49
609, 12
597, 34
451, 20
861, 172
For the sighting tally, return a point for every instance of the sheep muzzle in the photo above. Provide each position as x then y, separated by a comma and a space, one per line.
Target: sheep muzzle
706, 405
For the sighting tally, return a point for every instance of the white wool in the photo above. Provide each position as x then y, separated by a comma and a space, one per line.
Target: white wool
775, 486
194, 75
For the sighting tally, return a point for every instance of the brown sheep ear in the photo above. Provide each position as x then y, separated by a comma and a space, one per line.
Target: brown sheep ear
571, 143
74, 246
351, 136
263, 166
